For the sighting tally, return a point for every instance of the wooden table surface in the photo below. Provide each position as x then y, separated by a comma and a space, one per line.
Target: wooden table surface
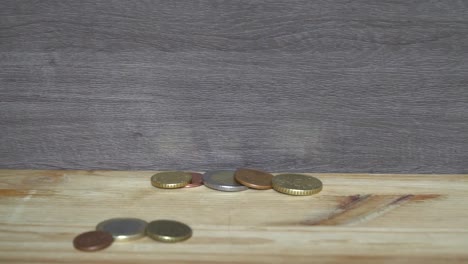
357, 218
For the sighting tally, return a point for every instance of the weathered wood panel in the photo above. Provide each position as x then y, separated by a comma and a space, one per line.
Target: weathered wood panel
331, 86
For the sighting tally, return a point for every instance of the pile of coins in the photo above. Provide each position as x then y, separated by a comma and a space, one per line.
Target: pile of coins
129, 229
239, 180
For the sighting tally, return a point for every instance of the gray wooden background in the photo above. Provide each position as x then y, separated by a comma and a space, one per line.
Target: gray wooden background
320, 86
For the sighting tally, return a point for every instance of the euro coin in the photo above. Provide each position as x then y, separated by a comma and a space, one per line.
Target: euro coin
93, 241
296, 184
254, 179
168, 231
197, 180
222, 181
171, 179
124, 229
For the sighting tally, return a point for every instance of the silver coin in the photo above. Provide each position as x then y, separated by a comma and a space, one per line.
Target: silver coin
222, 181
124, 229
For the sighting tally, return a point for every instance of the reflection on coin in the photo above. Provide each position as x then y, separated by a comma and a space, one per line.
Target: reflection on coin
197, 180
168, 231
124, 229
222, 181
254, 178
171, 179
296, 184
93, 241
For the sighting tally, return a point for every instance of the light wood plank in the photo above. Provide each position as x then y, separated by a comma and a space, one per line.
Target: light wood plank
357, 218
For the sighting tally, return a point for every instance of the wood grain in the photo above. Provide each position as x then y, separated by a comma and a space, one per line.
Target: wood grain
320, 86
357, 218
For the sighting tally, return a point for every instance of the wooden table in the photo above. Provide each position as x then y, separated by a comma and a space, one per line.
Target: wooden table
357, 218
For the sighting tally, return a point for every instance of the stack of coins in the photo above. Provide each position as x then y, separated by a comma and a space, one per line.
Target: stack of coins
129, 229
177, 179
239, 180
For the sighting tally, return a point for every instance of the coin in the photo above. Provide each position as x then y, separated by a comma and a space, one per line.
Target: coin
254, 178
168, 231
93, 241
124, 229
296, 184
222, 181
171, 179
197, 180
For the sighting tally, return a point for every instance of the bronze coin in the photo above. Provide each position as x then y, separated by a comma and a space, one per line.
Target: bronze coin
93, 241
255, 179
197, 180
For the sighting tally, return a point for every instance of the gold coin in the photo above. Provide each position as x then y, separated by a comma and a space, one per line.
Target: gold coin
296, 184
171, 179
168, 231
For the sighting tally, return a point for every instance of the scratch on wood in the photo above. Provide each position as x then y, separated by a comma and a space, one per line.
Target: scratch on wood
401, 199
361, 208
424, 197
26, 193
352, 200
14, 193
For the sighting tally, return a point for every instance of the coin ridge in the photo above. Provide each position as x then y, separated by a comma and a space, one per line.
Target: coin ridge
171, 185
224, 188
296, 192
